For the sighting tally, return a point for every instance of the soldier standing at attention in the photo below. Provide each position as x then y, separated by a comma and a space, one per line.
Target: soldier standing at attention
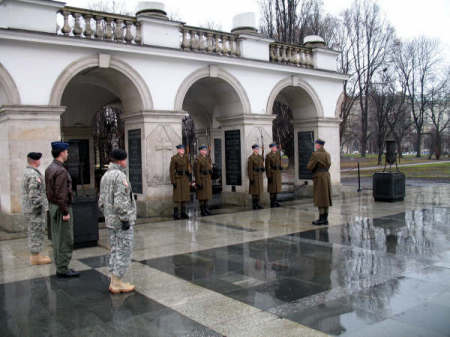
35, 206
59, 195
180, 171
273, 173
255, 168
119, 208
202, 173
319, 164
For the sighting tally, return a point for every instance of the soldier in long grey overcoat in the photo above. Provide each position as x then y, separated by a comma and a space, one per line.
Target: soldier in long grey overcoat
202, 174
273, 173
319, 164
119, 207
35, 207
180, 173
255, 171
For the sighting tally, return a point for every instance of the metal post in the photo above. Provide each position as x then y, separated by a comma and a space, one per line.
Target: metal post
359, 179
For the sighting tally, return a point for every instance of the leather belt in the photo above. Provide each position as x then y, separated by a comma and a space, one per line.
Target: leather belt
259, 169
321, 169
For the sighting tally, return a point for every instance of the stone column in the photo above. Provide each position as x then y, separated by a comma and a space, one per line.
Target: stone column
328, 130
160, 132
23, 129
254, 128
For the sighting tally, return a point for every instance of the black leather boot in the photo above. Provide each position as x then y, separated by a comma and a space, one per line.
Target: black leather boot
175, 214
207, 209
254, 203
272, 201
325, 219
184, 215
320, 221
202, 211
258, 205
275, 202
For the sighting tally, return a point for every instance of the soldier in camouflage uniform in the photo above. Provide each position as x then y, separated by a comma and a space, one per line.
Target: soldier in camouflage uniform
35, 206
117, 204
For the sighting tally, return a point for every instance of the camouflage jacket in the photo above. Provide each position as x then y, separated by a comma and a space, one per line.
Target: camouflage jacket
34, 198
116, 197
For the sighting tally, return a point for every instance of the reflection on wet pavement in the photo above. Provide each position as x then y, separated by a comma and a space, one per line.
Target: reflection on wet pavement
379, 269
338, 279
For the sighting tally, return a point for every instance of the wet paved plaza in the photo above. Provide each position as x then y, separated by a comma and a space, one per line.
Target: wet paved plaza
378, 269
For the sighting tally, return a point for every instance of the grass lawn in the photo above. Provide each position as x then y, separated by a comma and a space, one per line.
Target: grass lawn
350, 161
438, 170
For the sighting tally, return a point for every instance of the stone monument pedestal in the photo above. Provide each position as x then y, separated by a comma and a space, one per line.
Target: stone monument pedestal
388, 186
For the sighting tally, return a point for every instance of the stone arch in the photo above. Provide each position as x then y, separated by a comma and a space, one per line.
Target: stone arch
93, 61
296, 82
340, 100
8, 86
211, 71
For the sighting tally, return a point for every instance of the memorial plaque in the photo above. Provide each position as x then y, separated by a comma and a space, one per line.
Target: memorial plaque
78, 162
233, 157
305, 149
218, 152
135, 160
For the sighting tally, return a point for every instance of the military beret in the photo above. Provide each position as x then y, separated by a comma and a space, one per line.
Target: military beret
203, 147
181, 146
59, 146
34, 155
118, 154
255, 146
273, 144
319, 141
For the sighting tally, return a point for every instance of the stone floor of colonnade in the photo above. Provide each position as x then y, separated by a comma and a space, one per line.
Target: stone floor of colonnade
378, 269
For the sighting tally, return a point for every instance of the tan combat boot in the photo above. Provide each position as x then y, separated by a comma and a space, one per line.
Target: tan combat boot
117, 286
36, 259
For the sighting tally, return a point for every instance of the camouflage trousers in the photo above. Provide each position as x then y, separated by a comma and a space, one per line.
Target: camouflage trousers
36, 232
121, 250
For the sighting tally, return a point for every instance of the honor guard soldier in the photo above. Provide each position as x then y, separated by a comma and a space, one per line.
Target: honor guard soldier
34, 207
202, 174
255, 168
273, 173
180, 172
59, 194
119, 207
319, 164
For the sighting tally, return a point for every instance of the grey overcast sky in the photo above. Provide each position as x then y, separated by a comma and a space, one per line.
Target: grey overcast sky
410, 18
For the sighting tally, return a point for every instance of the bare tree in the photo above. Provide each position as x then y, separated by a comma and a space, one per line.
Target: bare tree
416, 61
212, 25
371, 38
111, 6
438, 111
291, 20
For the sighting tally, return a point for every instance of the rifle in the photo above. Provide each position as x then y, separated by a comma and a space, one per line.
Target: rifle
262, 141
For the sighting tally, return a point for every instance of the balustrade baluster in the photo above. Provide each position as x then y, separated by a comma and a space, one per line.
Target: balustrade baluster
238, 48
108, 30
217, 48
184, 39
226, 49
232, 45
202, 41
194, 40
138, 37
66, 29
128, 34
87, 26
210, 42
99, 27
118, 30
77, 30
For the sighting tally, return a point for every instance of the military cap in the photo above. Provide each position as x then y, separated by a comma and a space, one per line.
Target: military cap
320, 141
272, 145
34, 155
59, 146
255, 146
181, 146
203, 147
118, 154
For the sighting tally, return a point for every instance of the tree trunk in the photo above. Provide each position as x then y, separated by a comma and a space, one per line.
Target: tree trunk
418, 145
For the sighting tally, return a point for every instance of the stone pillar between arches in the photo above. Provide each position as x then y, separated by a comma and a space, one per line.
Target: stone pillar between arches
254, 128
23, 129
160, 132
328, 130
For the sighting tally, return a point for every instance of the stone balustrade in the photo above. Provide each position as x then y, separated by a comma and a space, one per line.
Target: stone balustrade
209, 41
291, 54
89, 24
